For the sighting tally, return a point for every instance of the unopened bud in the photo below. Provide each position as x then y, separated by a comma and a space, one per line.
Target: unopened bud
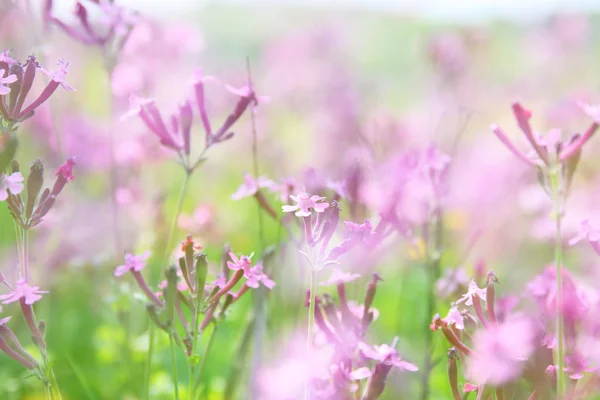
35, 181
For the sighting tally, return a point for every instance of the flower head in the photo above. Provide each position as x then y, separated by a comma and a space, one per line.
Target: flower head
305, 204
59, 75
455, 318
339, 277
251, 186
474, 291
132, 263
12, 184
22, 290
66, 170
244, 262
385, 354
256, 275
587, 231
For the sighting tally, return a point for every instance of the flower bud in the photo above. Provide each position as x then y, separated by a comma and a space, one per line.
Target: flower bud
201, 272
8, 148
453, 373
35, 181
170, 293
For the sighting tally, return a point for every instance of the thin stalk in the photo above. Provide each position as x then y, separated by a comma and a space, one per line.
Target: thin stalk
192, 369
311, 322
556, 199
148, 368
174, 366
19, 238
26, 254
54, 390
206, 352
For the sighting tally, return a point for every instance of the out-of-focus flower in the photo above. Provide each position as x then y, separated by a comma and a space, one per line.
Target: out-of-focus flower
453, 279
133, 262
455, 318
251, 186
501, 350
257, 275
12, 184
6, 80
589, 232
22, 290
338, 277
386, 354
306, 203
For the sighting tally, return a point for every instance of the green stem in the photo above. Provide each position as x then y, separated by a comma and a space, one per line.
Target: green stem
54, 386
192, 387
26, 254
165, 258
19, 238
148, 369
174, 366
556, 198
311, 323
205, 355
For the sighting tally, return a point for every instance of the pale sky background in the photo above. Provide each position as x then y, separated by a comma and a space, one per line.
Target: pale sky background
447, 10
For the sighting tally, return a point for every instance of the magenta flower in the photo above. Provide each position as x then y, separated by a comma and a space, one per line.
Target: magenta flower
251, 186
4, 90
501, 350
455, 318
12, 184
244, 262
22, 290
220, 282
256, 275
386, 354
473, 291
66, 170
339, 277
305, 204
59, 75
132, 263
359, 232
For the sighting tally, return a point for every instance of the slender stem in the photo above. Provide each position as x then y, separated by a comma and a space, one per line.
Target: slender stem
174, 366
26, 254
205, 355
19, 238
311, 323
148, 368
192, 387
556, 197
54, 386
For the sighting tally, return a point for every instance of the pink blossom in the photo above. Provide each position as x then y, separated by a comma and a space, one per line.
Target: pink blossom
587, 231
244, 262
452, 280
200, 219
305, 204
220, 282
385, 354
469, 387
500, 351
4, 90
591, 110
474, 291
251, 186
59, 75
256, 275
455, 318
247, 92
132, 263
339, 277
12, 184
285, 187
22, 290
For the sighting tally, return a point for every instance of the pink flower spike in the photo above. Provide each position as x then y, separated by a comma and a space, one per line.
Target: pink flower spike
504, 139
12, 184
251, 186
305, 204
474, 291
22, 290
6, 81
59, 75
132, 263
339, 277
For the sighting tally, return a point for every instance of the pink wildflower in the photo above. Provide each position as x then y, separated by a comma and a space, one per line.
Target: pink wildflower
339, 277
244, 262
455, 318
256, 275
305, 204
132, 263
66, 170
589, 232
4, 90
474, 291
22, 290
500, 351
385, 354
12, 184
59, 75
251, 186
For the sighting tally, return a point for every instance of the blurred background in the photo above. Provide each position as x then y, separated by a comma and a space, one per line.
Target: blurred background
350, 83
